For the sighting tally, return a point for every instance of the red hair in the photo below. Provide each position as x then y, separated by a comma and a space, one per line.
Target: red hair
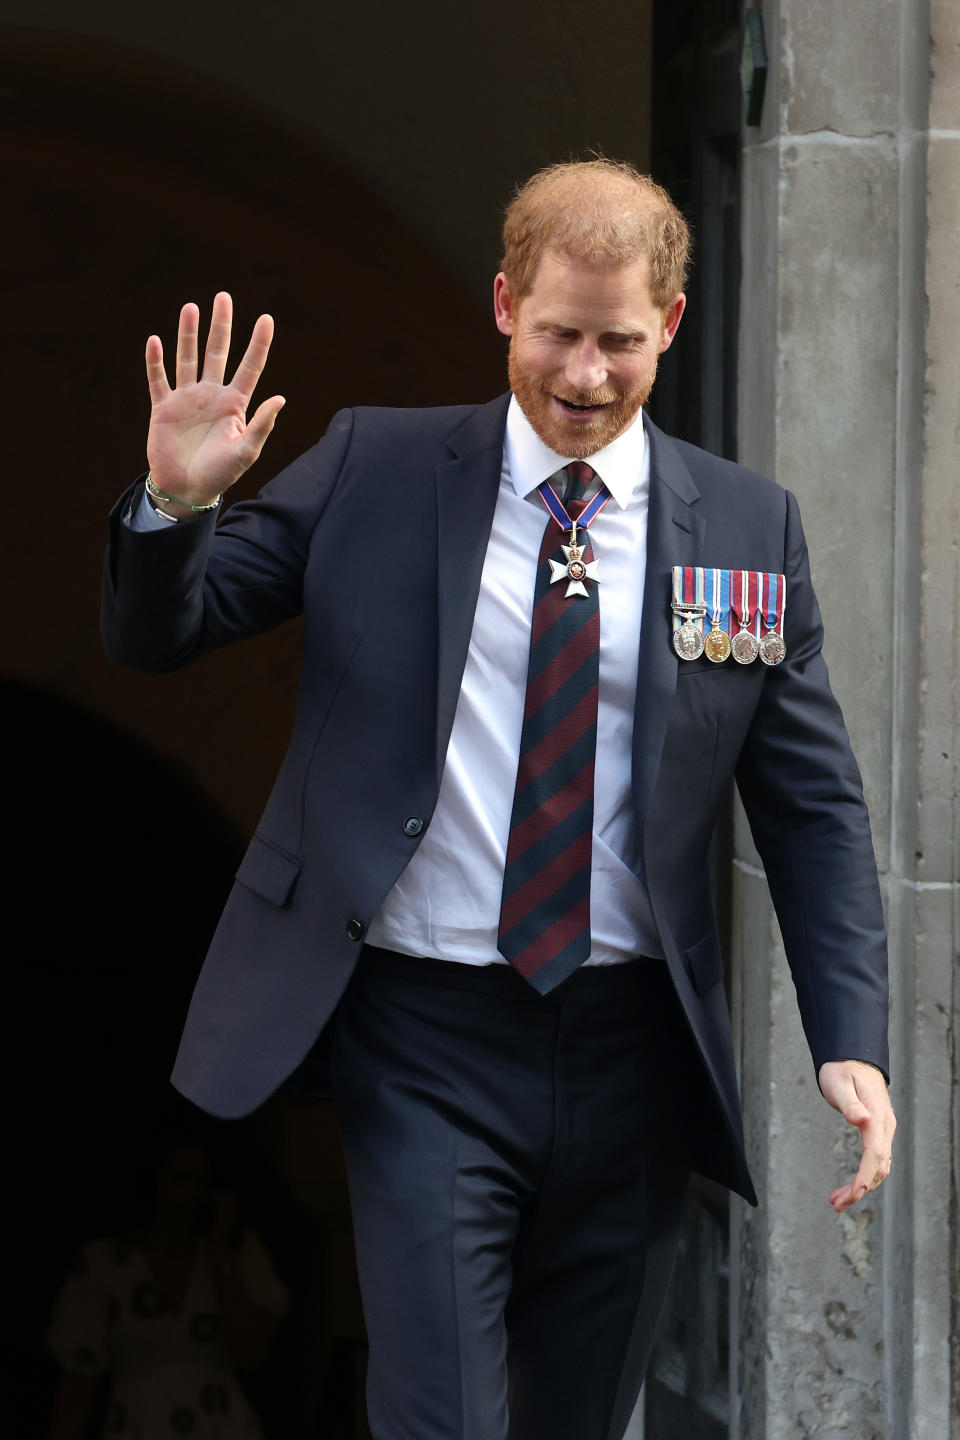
604, 212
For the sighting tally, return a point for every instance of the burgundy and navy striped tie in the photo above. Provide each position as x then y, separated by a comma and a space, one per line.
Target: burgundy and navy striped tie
545, 908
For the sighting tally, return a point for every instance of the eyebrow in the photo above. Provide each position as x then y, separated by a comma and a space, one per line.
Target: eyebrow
625, 333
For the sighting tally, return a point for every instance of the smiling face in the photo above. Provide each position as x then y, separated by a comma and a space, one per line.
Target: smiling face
584, 345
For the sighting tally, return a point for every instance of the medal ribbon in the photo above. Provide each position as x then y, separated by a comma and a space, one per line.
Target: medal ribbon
710, 595
557, 509
737, 598
721, 595
748, 599
689, 586
774, 602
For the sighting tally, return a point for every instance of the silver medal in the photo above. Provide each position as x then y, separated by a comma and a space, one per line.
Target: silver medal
688, 637
688, 640
772, 648
744, 647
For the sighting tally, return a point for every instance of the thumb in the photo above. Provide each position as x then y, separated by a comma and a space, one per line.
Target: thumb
262, 422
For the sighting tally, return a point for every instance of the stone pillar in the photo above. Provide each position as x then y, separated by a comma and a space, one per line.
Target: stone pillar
850, 397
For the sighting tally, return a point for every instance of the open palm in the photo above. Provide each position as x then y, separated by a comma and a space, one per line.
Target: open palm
200, 441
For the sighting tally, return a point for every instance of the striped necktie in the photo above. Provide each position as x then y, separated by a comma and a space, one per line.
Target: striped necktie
545, 907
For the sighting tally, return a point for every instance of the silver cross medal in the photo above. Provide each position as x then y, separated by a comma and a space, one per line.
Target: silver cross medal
576, 569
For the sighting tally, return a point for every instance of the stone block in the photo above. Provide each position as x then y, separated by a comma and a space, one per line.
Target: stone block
945, 65
756, 430
939, 821
836, 417
808, 1318
840, 76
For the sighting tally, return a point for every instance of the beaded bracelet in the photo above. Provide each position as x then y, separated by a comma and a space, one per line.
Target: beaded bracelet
175, 499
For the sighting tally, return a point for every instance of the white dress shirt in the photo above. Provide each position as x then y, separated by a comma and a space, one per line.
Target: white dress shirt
446, 904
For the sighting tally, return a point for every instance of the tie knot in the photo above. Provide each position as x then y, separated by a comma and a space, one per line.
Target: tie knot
580, 476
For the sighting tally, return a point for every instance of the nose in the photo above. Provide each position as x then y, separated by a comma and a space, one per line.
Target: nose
586, 367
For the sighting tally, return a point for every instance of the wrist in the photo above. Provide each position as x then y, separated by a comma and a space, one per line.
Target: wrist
165, 509
177, 507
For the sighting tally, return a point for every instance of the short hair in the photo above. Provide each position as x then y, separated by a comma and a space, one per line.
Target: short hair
600, 210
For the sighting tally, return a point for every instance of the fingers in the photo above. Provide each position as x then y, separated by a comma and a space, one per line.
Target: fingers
255, 358
859, 1092
156, 375
874, 1169
215, 354
187, 345
262, 422
846, 1196
218, 339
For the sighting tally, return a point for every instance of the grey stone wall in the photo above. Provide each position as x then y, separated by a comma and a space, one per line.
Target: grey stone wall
850, 396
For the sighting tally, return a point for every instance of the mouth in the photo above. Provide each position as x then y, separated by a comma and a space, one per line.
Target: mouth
581, 412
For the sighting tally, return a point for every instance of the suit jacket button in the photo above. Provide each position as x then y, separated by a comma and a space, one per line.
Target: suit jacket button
412, 825
354, 929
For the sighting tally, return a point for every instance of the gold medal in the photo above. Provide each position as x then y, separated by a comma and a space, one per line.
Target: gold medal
716, 645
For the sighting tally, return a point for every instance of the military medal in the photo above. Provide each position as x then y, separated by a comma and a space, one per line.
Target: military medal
574, 568
688, 611
744, 646
716, 645
773, 590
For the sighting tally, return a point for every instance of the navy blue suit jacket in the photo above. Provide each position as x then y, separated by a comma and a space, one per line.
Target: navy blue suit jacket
387, 622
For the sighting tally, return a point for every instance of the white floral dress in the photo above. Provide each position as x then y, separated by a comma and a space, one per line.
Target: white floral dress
171, 1371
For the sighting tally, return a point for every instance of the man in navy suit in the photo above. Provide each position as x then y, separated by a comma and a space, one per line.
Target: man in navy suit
477, 705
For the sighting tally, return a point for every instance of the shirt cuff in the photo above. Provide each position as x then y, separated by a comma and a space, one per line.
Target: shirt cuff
144, 516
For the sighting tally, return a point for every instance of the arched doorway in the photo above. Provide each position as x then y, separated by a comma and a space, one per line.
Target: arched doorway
131, 187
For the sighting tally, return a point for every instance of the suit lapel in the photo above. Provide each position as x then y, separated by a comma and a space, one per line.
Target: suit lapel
467, 487
674, 537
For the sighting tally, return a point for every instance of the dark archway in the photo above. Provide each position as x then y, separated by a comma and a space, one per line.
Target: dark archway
115, 873
131, 186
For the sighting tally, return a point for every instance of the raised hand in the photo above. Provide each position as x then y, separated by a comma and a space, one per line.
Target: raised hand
859, 1092
200, 441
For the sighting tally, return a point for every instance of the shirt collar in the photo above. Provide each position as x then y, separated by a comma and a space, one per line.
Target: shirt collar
623, 465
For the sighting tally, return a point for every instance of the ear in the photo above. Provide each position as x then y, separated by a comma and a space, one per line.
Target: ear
503, 307
671, 319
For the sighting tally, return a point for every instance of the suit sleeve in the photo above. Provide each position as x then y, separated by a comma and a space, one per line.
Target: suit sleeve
171, 595
803, 796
